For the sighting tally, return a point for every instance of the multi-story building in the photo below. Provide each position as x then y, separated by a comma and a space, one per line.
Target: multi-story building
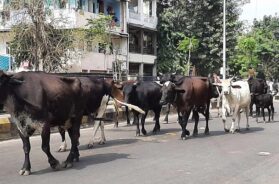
133, 33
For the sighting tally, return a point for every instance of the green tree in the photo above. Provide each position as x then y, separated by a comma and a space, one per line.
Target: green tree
188, 45
259, 48
204, 20
37, 41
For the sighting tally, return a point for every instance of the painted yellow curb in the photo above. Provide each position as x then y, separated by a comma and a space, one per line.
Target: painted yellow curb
5, 125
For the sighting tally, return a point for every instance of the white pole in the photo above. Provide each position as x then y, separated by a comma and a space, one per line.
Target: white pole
224, 40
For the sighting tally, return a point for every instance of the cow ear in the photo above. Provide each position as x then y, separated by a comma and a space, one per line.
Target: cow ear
179, 90
236, 86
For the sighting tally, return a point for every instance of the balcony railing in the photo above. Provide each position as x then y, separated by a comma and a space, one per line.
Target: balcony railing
142, 19
62, 18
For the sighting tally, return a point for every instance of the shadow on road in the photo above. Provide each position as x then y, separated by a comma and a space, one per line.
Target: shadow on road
87, 161
220, 133
109, 143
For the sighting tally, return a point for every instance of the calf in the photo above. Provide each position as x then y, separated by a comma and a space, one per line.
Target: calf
235, 96
257, 87
264, 101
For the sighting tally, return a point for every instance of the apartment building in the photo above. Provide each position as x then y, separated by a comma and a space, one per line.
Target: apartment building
133, 34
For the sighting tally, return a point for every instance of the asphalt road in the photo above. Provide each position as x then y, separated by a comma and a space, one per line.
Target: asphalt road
164, 158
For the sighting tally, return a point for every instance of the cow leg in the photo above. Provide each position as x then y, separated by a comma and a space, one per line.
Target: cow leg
143, 131
272, 111
183, 120
74, 136
196, 117
235, 114
95, 129
26, 168
127, 116
157, 123
206, 131
54, 164
136, 119
238, 121
167, 113
263, 114
268, 114
247, 118
251, 108
103, 138
224, 117
63, 145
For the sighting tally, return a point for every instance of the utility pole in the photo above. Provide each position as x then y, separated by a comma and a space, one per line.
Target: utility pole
224, 39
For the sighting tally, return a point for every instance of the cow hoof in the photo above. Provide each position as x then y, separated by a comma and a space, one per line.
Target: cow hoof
66, 165
247, 128
24, 172
206, 133
187, 133
143, 132
232, 131
227, 130
61, 149
102, 142
237, 130
90, 146
55, 165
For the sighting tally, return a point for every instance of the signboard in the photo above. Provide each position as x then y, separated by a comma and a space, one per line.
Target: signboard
5, 62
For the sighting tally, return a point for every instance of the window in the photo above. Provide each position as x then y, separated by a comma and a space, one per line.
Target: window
147, 70
133, 68
148, 43
133, 6
134, 41
147, 7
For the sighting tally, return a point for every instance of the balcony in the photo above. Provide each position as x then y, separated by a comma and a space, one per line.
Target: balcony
142, 20
62, 18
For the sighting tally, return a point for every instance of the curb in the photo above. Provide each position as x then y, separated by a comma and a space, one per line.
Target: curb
8, 130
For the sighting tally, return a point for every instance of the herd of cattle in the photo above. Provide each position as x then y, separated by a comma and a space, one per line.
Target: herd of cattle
39, 101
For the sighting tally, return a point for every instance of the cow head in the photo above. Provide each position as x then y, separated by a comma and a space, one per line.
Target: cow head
6, 81
169, 92
227, 86
167, 77
130, 93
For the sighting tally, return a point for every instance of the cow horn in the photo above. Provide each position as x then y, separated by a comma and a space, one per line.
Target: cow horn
136, 108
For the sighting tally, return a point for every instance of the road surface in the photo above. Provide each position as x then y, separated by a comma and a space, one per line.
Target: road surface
164, 158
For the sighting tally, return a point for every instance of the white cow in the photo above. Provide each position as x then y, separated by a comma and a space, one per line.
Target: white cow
235, 96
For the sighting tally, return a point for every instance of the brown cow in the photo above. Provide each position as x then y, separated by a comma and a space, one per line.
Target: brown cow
189, 93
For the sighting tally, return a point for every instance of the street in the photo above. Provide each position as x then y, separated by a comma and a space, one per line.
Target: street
164, 158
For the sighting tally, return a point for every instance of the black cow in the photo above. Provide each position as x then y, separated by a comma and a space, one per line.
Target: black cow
145, 95
39, 100
257, 87
94, 89
187, 94
263, 101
